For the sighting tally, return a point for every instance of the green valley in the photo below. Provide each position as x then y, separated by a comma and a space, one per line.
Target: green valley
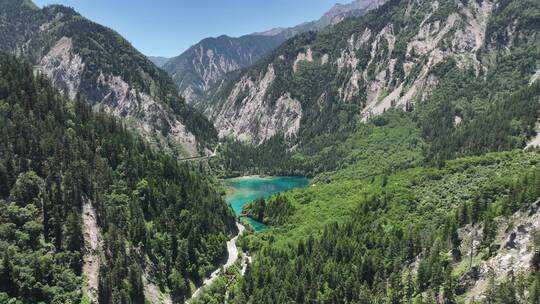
79, 190
386, 153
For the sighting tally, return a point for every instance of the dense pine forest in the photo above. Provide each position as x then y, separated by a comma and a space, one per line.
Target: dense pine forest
401, 239
387, 221
157, 216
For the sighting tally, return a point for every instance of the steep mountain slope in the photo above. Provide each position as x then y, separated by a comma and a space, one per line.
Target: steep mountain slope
317, 83
89, 211
415, 206
203, 65
88, 61
379, 224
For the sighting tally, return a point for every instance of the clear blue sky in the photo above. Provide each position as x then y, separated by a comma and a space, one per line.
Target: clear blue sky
168, 27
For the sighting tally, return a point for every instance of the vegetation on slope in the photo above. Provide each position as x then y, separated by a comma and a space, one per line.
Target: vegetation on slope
380, 221
394, 140
273, 211
497, 115
394, 222
56, 155
28, 31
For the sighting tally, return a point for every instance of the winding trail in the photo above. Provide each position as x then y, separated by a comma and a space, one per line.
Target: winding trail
231, 259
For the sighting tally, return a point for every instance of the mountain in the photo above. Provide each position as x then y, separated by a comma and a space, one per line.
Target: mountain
158, 61
86, 204
203, 65
415, 123
335, 15
196, 70
320, 82
88, 61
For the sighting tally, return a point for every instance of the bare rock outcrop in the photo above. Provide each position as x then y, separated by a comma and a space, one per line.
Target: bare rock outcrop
126, 102
92, 248
513, 256
246, 116
63, 67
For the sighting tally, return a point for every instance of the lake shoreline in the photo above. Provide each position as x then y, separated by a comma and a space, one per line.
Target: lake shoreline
242, 190
254, 176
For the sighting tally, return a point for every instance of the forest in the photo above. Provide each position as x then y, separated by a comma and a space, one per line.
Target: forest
56, 155
386, 217
401, 238
405, 207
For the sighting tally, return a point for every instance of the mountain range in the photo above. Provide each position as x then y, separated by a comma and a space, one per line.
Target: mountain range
416, 123
318, 82
198, 69
86, 60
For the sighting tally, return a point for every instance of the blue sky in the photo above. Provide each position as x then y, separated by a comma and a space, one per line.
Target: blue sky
168, 27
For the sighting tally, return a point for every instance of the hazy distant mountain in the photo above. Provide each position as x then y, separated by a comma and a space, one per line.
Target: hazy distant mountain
336, 14
158, 60
200, 67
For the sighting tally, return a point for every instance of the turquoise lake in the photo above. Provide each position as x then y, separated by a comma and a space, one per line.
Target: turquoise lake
243, 190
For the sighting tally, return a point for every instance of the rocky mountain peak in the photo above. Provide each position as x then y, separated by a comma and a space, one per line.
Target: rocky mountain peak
204, 65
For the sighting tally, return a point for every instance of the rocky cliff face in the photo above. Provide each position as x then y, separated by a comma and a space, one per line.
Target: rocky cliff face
126, 102
203, 65
63, 67
89, 61
258, 121
392, 57
513, 253
460, 35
